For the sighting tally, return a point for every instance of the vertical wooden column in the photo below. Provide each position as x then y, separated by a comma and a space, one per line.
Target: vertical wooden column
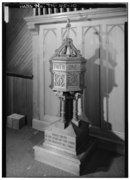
34, 11
75, 119
75, 109
35, 60
80, 105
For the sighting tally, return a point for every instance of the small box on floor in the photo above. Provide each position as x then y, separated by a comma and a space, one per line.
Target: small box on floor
15, 121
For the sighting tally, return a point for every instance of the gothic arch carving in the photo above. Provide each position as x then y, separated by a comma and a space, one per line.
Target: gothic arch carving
49, 46
111, 27
46, 31
85, 31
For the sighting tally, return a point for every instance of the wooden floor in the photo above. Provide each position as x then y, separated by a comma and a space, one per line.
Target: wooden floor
20, 158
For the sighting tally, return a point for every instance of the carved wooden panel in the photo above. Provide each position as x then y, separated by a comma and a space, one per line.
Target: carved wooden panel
115, 78
51, 102
59, 80
91, 53
19, 97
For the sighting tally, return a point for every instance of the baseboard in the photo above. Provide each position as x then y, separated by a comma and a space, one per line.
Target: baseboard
108, 140
41, 125
111, 146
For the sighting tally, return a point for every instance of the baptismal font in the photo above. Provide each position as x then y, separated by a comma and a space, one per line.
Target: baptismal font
66, 141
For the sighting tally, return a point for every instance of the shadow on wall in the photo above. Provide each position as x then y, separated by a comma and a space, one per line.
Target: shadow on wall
100, 81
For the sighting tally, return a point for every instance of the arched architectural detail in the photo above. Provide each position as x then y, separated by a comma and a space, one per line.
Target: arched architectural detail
46, 31
49, 44
96, 28
111, 27
85, 31
91, 53
115, 76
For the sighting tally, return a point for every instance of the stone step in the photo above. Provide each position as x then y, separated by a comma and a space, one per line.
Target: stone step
64, 160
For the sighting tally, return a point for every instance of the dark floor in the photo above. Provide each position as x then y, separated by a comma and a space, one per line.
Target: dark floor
20, 158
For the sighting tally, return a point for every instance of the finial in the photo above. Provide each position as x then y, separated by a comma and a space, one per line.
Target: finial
68, 26
68, 22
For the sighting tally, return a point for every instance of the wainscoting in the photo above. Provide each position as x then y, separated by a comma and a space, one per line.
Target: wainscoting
18, 63
19, 96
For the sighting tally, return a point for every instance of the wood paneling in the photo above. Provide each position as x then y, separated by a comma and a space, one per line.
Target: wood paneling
19, 97
103, 98
92, 81
116, 64
18, 42
50, 107
19, 62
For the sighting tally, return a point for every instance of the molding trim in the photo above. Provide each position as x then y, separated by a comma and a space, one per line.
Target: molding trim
110, 140
111, 146
33, 27
39, 125
86, 15
42, 125
107, 135
19, 75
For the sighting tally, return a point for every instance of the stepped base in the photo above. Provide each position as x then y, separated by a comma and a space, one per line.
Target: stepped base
65, 161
